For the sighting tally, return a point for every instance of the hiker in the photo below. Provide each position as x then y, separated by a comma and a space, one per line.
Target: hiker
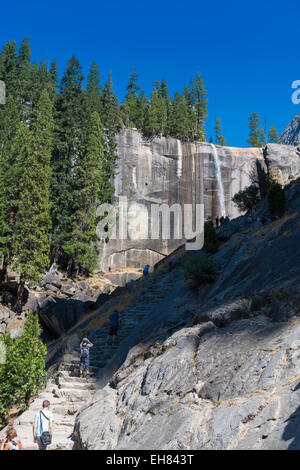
85, 346
10, 442
172, 262
221, 221
114, 321
217, 222
146, 270
43, 426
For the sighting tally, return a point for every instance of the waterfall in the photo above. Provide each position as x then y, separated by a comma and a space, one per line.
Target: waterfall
220, 182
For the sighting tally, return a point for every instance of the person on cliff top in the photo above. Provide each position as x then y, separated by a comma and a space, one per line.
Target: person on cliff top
114, 323
85, 346
146, 270
43, 426
10, 441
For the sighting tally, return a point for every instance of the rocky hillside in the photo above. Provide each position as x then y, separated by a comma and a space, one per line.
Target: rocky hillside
215, 370
291, 133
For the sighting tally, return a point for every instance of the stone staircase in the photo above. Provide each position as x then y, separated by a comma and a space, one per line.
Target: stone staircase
67, 392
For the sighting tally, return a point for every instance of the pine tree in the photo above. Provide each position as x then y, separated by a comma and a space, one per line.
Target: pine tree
10, 172
257, 136
191, 118
156, 118
129, 107
81, 247
199, 94
143, 107
8, 70
33, 222
68, 146
93, 89
273, 135
23, 67
54, 72
112, 123
178, 120
23, 374
220, 139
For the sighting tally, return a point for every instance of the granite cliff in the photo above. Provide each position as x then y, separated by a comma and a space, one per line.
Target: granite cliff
291, 133
166, 170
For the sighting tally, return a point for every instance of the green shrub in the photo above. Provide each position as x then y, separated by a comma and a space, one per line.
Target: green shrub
211, 242
276, 200
246, 198
23, 374
199, 269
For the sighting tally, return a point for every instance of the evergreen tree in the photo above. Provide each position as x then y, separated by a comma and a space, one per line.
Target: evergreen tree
273, 135
54, 72
81, 246
156, 118
8, 69
23, 374
24, 75
10, 172
257, 136
68, 147
112, 123
179, 116
143, 107
33, 223
199, 95
276, 200
93, 89
220, 139
130, 108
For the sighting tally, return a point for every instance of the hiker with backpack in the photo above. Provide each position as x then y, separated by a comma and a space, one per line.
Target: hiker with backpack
10, 442
114, 321
43, 426
85, 346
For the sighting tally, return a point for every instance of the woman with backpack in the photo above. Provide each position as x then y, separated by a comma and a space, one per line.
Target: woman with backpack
10, 442
85, 346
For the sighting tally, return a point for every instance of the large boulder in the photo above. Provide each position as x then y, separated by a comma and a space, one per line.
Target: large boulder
59, 316
283, 162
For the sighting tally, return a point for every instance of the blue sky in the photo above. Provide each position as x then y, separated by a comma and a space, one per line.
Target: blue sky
247, 51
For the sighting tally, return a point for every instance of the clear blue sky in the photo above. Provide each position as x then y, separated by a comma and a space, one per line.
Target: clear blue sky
247, 51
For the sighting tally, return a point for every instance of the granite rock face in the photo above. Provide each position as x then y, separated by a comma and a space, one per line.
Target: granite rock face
167, 171
291, 133
283, 161
215, 370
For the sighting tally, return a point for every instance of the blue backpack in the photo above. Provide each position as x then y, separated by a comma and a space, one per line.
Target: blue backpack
84, 352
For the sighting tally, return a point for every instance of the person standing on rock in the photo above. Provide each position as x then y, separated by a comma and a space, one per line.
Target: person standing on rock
114, 321
85, 346
43, 426
146, 270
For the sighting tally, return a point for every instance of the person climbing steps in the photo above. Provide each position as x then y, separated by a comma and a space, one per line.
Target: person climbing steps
85, 346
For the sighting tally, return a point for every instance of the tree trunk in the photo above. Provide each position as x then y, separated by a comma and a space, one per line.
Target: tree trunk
3, 271
18, 304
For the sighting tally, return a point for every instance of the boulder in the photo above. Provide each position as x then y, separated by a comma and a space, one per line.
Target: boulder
58, 317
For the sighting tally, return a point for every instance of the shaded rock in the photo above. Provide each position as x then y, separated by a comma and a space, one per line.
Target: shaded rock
60, 316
